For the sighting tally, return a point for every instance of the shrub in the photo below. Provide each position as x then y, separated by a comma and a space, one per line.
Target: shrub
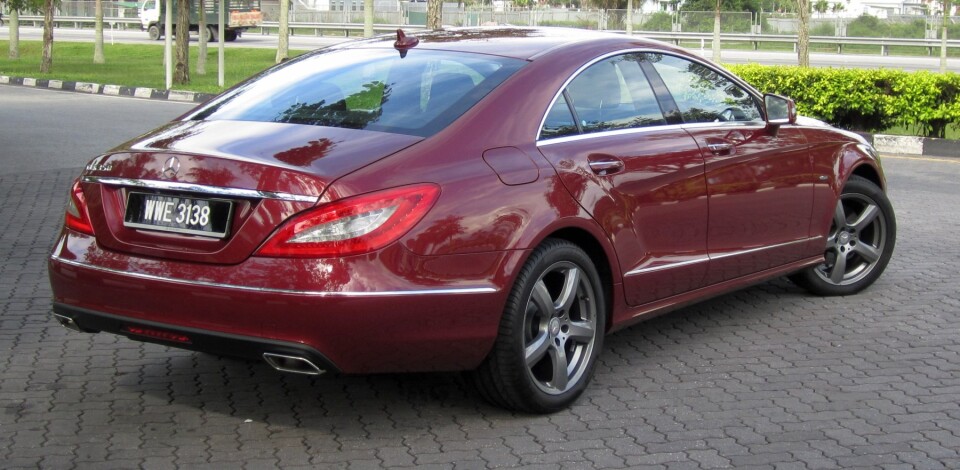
865, 100
659, 21
872, 27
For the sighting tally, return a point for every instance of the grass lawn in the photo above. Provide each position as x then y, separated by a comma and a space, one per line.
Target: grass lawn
133, 64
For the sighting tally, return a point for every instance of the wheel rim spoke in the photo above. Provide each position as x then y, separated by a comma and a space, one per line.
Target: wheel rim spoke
581, 331
568, 294
869, 253
542, 300
866, 218
839, 216
559, 360
839, 268
535, 351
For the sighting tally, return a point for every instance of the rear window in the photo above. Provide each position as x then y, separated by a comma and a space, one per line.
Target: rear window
419, 93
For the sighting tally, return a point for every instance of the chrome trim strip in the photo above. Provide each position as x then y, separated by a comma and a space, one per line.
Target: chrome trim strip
762, 248
713, 257
267, 290
702, 125
596, 135
200, 188
665, 266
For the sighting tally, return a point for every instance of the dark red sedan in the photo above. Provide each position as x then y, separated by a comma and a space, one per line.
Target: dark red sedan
493, 200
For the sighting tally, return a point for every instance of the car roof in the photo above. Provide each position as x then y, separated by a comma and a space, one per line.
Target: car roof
516, 42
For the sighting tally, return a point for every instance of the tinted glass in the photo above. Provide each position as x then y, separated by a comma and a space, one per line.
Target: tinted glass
418, 94
614, 94
559, 121
702, 94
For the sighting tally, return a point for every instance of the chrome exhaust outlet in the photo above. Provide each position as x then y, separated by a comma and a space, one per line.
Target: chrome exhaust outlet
67, 322
293, 364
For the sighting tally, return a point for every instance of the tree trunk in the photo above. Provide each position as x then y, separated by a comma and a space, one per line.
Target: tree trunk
46, 60
98, 33
629, 27
367, 18
202, 50
14, 35
803, 33
943, 36
716, 33
181, 69
434, 14
283, 45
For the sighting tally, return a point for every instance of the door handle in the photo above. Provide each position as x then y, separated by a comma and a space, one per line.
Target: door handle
721, 149
606, 166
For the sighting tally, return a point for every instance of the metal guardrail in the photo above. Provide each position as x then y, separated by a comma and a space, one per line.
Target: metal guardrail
840, 42
676, 38
319, 28
79, 21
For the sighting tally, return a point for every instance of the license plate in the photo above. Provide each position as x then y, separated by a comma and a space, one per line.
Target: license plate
178, 214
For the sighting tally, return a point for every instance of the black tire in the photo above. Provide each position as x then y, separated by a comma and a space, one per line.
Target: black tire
153, 32
212, 34
859, 245
555, 318
230, 36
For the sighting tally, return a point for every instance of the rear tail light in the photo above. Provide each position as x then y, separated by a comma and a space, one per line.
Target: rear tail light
77, 217
352, 226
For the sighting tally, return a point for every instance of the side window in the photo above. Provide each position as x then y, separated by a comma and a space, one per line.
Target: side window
559, 121
614, 94
611, 94
702, 94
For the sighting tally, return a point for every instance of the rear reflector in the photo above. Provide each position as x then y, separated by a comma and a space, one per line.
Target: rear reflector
157, 334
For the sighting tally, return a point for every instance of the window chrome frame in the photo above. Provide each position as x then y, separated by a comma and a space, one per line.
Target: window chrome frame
758, 97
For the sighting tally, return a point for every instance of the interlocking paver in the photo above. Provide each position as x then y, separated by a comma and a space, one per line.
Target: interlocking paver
769, 377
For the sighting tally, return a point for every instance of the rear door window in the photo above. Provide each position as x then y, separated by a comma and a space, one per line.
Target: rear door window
608, 95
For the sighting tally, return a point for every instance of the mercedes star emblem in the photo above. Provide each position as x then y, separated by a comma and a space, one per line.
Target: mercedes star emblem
171, 167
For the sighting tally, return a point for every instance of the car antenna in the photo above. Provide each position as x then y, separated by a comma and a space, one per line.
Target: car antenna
404, 42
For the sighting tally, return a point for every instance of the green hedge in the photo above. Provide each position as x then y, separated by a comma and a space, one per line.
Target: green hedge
865, 100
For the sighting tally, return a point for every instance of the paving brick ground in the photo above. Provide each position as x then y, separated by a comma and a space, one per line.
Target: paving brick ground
769, 377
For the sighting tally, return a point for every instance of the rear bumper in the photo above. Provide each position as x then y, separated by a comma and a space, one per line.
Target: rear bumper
391, 312
222, 344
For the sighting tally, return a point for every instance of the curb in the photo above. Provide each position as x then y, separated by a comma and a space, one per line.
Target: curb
909, 145
110, 90
893, 144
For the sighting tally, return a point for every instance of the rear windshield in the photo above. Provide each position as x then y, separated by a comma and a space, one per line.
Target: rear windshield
418, 93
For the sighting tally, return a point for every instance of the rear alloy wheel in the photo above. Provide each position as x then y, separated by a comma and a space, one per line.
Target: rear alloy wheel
550, 335
859, 245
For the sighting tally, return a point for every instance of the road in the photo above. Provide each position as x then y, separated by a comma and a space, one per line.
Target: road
768, 377
729, 56
70, 127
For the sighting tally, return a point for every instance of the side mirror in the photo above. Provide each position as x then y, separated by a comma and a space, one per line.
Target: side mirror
779, 110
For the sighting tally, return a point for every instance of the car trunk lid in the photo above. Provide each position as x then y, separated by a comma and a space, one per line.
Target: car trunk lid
236, 181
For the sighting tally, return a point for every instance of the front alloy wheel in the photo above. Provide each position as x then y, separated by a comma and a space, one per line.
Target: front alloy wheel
859, 244
550, 334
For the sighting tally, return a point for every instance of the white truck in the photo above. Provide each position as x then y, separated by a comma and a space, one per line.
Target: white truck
240, 15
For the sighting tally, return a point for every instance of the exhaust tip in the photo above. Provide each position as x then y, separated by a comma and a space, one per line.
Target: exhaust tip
292, 364
68, 322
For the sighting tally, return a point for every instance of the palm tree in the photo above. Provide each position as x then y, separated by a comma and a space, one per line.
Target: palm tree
98, 33
821, 7
803, 33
